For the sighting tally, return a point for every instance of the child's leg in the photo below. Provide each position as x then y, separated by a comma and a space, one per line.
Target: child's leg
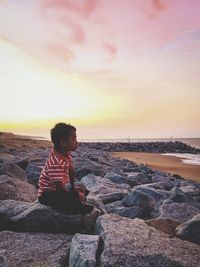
65, 201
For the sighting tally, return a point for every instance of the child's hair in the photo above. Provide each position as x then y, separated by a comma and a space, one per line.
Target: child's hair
61, 131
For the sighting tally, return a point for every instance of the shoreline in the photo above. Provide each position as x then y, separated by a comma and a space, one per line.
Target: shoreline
170, 164
158, 161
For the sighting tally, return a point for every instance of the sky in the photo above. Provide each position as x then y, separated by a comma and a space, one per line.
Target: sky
112, 68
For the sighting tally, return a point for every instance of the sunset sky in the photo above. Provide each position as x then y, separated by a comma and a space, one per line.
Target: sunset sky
112, 68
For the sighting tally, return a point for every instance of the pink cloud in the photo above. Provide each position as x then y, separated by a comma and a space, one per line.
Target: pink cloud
83, 8
83, 32
78, 34
60, 52
111, 49
159, 5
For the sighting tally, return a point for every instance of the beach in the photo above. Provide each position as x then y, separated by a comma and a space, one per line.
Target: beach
165, 163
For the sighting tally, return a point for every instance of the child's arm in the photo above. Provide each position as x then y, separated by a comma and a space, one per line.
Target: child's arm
72, 177
60, 187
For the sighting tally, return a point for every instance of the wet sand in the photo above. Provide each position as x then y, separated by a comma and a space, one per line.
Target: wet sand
171, 164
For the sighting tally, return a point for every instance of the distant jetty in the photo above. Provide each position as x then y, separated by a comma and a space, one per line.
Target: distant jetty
153, 147
150, 147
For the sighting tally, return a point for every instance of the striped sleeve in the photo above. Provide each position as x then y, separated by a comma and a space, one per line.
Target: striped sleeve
71, 165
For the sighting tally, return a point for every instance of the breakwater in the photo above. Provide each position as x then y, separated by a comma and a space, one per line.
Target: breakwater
153, 147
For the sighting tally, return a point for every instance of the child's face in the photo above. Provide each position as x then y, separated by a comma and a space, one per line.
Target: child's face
71, 144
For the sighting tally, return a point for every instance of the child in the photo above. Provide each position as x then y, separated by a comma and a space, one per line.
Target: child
58, 173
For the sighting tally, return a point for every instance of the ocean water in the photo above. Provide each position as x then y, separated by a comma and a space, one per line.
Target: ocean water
192, 159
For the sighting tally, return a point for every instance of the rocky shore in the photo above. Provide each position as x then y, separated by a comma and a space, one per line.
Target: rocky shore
142, 217
153, 147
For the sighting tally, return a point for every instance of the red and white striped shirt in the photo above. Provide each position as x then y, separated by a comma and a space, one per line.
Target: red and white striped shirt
56, 169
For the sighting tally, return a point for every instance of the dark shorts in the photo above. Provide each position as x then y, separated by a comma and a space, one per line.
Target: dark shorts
67, 201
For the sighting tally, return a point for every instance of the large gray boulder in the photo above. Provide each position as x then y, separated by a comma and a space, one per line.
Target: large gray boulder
34, 217
141, 200
167, 226
157, 186
21, 161
83, 250
138, 178
34, 249
190, 230
119, 179
118, 208
97, 203
104, 189
11, 188
157, 194
85, 166
178, 196
162, 177
6, 157
191, 189
13, 171
130, 242
33, 173
178, 211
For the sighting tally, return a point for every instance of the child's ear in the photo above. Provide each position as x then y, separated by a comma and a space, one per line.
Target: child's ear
63, 142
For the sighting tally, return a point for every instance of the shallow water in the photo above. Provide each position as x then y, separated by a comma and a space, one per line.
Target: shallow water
192, 159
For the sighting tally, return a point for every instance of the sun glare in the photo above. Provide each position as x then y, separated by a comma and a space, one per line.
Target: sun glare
31, 93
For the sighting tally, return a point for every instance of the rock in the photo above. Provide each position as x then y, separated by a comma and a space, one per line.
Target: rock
138, 178
176, 183
5, 157
16, 189
33, 168
190, 230
34, 249
110, 208
83, 250
21, 162
178, 196
156, 194
158, 185
36, 159
167, 226
85, 166
191, 189
33, 173
160, 177
153, 147
178, 211
34, 217
177, 176
131, 212
104, 189
116, 178
118, 208
97, 203
131, 242
140, 199
13, 171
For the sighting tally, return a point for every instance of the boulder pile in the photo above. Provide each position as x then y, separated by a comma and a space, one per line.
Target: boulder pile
152, 147
142, 217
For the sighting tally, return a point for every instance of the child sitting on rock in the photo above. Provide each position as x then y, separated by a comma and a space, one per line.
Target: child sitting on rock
58, 174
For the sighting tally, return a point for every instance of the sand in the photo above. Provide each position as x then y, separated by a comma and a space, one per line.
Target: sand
9, 140
171, 164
